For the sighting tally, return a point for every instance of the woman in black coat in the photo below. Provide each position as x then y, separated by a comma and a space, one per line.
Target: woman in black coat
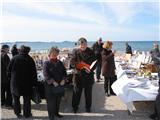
22, 71
55, 76
108, 67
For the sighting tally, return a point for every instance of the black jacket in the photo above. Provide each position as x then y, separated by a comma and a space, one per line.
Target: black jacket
83, 78
14, 51
97, 50
5, 60
54, 71
128, 49
22, 71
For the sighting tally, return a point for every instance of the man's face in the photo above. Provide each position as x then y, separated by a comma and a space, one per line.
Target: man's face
53, 55
83, 46
99, 41
155, 46
6, 50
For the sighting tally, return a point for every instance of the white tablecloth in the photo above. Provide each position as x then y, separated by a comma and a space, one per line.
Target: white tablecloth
130, 94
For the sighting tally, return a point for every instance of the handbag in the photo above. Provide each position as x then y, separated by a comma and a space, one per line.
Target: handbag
35, 95
58, 90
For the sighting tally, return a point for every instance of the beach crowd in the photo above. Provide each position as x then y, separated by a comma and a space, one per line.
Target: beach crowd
19, 75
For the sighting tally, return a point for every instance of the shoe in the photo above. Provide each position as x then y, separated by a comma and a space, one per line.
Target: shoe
88, 110
107, 94
58, 115
153, 116
75, 110
19, 116
51, 118
98, 80
28, 116
8, 106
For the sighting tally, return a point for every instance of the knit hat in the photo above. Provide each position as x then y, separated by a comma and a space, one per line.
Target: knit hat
24, 49
5, 46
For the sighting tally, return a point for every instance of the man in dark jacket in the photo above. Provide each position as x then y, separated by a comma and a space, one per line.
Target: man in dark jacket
84, 79
6, 97
155, 52
128, 49
97, 48
14, 50
22, 71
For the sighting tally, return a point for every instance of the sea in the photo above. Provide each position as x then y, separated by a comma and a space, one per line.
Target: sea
117, 45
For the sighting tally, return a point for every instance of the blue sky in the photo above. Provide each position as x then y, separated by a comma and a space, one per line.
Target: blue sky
60, 20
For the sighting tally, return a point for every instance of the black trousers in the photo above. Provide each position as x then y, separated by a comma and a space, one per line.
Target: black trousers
6, 97
98, 70
53, 102
77, 96
107, 85
26, 105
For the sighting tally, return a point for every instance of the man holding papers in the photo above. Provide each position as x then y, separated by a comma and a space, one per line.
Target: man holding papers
81, 60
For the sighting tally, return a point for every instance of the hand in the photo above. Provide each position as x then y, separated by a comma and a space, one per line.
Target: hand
55, 84
87, 70
62, 82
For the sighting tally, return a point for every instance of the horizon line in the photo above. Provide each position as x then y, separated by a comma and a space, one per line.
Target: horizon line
76, 41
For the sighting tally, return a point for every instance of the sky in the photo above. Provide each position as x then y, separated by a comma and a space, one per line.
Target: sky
68, 20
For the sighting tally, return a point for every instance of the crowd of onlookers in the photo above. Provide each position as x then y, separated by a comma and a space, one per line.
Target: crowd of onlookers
19, 75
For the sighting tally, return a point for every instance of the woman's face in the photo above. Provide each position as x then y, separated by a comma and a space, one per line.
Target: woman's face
110, 46
83, 46
53, 55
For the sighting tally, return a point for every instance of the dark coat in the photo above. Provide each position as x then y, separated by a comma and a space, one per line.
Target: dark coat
54, 71
97, 48
14, 51
154, 54
22, 71
108, 64
5, 60
83, 78
128, 49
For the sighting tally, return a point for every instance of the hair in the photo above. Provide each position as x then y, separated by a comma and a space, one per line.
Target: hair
25, 49
82, 40
53, 49
4, 46
107, 44
99, 39
126, 43
14, 45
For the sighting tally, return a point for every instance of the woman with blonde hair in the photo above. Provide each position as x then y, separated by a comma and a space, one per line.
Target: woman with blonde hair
108, 67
